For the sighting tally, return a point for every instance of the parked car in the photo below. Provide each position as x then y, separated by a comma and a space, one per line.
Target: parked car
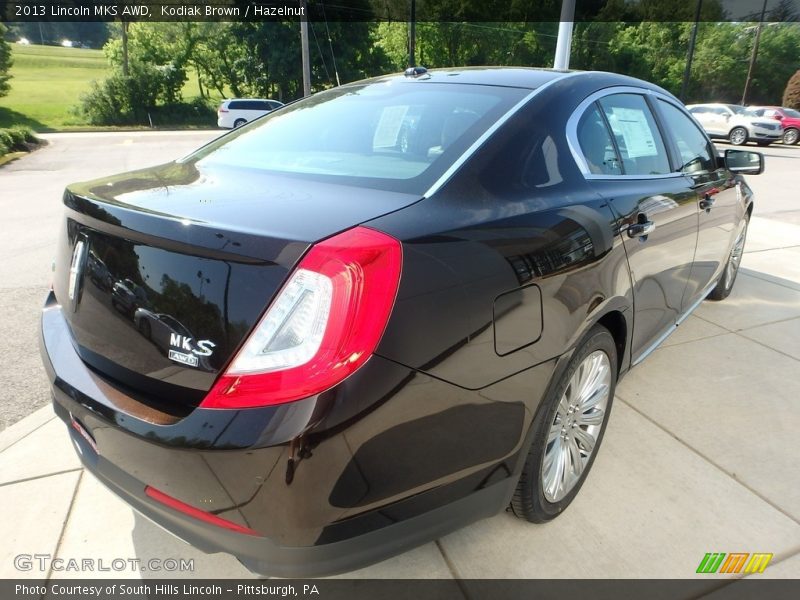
127, 296
418, 298
787, 117
158, 327
736, 124
236, 112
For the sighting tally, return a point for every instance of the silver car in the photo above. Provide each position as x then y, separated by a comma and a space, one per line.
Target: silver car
736, 124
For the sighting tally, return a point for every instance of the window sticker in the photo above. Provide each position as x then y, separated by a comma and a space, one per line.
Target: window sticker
388, 128
631, 124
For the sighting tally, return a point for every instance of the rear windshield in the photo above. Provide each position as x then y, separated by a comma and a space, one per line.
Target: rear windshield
399, 136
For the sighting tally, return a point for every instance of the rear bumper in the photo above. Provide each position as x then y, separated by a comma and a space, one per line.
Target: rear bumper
263, 555
358, 490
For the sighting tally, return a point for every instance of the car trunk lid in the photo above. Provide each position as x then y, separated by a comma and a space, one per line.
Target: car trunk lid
162, 273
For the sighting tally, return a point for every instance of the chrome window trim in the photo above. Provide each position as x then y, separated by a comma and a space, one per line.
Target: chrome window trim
467, 154
574, 145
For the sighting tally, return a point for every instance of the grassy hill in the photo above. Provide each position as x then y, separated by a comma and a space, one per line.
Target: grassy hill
48, 82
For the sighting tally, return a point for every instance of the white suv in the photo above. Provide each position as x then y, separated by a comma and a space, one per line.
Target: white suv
235, 112
736, 124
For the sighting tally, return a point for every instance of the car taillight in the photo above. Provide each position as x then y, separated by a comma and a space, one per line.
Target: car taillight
222, 110
322, 326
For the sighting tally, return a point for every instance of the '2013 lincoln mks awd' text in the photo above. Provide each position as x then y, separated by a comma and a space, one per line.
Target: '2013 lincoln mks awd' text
384, 311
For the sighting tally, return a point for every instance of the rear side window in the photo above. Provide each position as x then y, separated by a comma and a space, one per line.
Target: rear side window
249, 105
695, 151
636, 134
596, 144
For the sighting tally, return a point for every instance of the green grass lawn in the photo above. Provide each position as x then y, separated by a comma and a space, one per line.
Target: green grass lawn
48, 82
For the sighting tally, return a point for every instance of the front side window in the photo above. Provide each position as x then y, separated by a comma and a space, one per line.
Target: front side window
694, 149
636, 134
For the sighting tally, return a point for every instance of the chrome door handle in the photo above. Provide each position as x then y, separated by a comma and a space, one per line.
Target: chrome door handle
641, 229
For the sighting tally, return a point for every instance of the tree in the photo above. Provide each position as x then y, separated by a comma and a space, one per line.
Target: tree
791, 96
5, 62
270, 66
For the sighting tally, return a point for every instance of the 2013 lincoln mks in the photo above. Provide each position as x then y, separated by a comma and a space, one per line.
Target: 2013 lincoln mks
385, 311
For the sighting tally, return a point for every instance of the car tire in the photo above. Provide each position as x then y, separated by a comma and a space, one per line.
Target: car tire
239, 123
738, 136
725, 284
542, 491
790, 136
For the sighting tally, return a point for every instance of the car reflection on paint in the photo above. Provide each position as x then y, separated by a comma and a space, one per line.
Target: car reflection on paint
127, 296
171, 336
158, 327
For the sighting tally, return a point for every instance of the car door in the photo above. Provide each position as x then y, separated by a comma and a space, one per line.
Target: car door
627, 162
705, 116
719, 200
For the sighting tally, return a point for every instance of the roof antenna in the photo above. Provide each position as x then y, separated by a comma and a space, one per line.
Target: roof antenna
415, 72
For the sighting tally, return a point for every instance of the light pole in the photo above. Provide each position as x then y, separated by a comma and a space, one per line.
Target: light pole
412, 35
690, 54
753, 55
564, 41
304, 48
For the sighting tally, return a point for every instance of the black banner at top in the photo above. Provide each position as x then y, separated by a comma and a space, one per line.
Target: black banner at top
397, 10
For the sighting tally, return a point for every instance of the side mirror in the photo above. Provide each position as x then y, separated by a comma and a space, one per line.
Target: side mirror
744, 162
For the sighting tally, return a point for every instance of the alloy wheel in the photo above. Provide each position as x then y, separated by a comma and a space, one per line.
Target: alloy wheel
735, 259
790, 137
576, 425
738, 136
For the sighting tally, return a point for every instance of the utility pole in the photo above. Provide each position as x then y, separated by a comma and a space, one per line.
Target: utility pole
690, 55
304, 48
412, 35
753, 55
564, 42
125, 68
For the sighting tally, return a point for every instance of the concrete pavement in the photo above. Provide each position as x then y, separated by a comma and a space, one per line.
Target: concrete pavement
699, 456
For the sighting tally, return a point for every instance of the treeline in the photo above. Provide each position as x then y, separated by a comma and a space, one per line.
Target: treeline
152, 62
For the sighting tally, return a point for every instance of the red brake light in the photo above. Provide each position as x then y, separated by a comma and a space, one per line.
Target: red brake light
322, 326
197, 513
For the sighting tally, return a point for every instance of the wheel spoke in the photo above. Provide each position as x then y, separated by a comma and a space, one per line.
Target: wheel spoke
594, 416
576, 461
553, 434
598, 395
584, 439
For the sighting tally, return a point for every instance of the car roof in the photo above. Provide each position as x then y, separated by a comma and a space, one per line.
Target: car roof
519, 77
259, 99
523, 77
